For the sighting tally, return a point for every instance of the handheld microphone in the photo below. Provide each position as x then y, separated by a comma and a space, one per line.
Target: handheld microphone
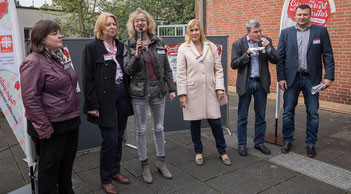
140, 33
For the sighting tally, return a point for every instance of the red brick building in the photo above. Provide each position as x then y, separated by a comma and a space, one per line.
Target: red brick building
228, 17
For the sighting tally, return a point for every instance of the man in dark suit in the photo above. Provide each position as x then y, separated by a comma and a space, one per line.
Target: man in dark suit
301, 49
250, 56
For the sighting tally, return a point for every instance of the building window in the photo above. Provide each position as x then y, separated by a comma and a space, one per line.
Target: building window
27, 32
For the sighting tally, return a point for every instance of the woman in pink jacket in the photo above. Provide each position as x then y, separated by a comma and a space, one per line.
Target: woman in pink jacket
51, 101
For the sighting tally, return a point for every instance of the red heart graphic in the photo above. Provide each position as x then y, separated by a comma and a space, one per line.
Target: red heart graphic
17, 85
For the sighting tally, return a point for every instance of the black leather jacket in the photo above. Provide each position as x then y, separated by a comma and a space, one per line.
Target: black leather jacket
137, 68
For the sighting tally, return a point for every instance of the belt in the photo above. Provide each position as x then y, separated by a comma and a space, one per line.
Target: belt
302, 73
119, 81
256, 79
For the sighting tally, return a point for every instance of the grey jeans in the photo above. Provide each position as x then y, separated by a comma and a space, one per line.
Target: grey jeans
157, 107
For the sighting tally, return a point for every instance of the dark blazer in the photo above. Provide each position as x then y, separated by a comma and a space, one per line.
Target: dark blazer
242, 62
99, 82
319, 47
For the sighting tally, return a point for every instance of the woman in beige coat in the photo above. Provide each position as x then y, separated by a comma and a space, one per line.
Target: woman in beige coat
200, 86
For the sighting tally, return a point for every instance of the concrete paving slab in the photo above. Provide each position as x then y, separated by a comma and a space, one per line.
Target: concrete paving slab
86, 161
303, 184
8, 165
198, 188
19, 156
252, 178
15, 183
79, 186
5, 152
214, 167
180, 180
180, 155
180, 137
92, 178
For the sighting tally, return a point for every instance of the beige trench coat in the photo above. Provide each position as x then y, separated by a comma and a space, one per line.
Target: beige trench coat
199, 81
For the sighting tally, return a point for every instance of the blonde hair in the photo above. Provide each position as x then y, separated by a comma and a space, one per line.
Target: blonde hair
150, 23
101, 23
191, 24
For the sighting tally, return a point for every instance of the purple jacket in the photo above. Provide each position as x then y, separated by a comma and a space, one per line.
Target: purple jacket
48, 92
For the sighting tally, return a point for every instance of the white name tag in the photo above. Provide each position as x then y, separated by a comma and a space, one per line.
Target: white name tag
161, 51
108, 57
199, 58
316, 41
68, 65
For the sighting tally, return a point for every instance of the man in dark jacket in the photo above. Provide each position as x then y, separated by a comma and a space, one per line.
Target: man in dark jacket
296, 72
250, 56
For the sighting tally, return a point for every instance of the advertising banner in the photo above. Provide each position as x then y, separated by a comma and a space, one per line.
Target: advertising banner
10, 58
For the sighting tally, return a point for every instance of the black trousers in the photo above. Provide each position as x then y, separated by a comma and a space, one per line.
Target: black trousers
56, 157
112, 138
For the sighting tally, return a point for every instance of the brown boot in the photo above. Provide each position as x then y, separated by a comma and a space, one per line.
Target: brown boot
146, 171
121, 179
162, 168
109, 188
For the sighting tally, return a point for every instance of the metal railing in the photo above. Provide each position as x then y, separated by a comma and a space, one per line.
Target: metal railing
171, 30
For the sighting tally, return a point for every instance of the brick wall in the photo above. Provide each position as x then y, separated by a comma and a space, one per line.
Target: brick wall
228, 17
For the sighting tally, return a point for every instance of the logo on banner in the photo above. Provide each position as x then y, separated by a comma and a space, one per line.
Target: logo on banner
6, 44
3, 7
321, 11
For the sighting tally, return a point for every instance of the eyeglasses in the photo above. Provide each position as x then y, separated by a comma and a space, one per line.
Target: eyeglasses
142, 20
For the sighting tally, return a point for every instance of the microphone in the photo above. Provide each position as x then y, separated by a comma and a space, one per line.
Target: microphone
140, 31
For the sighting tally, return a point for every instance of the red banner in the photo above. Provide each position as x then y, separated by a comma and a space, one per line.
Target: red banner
321, 10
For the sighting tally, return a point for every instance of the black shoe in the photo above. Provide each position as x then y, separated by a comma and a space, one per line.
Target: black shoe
263, 149
311, 152
242, 151
286, 147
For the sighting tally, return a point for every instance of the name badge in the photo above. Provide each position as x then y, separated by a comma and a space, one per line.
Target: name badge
108, 57
316, 41
161, 51
68, 65
199, 58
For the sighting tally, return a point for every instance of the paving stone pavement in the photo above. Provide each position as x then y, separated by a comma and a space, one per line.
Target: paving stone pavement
256, 173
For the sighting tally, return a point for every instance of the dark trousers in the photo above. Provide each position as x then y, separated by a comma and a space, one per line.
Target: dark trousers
56, 161
112, 137
217, 131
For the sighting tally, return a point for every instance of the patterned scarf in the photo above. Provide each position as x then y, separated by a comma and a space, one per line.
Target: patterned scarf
58, 55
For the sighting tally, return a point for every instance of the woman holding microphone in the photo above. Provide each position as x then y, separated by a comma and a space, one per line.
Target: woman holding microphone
145, 60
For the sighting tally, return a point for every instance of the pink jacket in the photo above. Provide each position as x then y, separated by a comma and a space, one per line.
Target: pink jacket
48, 92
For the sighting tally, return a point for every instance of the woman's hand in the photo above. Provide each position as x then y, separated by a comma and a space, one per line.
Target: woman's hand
220, 94
95, 113
182, 100
172, 95
139, 46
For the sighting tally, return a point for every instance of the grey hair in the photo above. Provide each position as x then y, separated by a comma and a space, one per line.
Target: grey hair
252, 24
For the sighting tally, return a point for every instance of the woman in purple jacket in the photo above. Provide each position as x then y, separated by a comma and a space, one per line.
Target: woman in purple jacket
51, 101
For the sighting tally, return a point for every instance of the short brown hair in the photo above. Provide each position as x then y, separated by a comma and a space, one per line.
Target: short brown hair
40, 30
303, 6
151, 24
101, 23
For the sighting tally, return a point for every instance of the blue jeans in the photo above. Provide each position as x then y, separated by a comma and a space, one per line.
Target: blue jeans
256, 90
291, 95
217, 131
112, 137
157, 107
